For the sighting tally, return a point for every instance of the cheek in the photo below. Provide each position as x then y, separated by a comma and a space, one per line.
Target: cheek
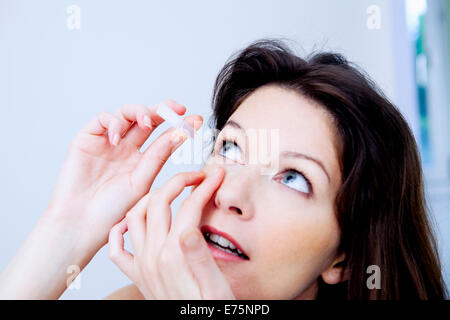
306, 241
294, 252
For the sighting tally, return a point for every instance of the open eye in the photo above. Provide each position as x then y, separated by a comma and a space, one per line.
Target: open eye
230, 150
295, 180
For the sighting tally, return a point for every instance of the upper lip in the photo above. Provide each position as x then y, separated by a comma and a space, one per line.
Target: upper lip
210, 229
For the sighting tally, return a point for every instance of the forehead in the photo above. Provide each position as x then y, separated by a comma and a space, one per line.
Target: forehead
304, 126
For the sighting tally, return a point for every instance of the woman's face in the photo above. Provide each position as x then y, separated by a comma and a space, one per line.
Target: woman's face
283, 221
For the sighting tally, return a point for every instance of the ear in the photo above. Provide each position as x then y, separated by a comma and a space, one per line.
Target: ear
336, 272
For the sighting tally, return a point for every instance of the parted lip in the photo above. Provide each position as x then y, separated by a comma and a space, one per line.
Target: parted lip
210, 229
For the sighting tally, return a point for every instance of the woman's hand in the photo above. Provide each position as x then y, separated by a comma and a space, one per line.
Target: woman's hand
171, 262
105, 173
103, 176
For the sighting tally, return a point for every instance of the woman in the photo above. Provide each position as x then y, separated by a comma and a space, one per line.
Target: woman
345, 196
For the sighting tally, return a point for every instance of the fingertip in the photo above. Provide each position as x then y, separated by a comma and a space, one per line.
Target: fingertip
190, 239
197, 122
182, 109
195, 178
215, 177
177, 107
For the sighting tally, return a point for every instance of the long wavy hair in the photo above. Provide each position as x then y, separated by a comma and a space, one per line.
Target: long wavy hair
380, 206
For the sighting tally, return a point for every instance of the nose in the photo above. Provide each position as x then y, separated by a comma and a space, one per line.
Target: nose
234, 194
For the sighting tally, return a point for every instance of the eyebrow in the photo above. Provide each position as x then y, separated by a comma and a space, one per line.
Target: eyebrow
233, 124
293, 154
289, 154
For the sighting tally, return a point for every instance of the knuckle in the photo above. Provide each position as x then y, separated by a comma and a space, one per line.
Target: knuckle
187, 203
124, 108
113, 255
127, 108
164, 260
132, 217
181, 177
113, 230
200, 259
115, 121
178, 180
153, 198
106, 117
160, 159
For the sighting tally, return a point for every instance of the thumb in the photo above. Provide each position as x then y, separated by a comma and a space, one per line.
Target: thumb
211, 281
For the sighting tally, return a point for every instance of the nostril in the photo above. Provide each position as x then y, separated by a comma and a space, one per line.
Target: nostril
239, 211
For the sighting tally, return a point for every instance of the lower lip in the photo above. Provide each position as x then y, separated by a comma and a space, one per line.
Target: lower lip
222, 255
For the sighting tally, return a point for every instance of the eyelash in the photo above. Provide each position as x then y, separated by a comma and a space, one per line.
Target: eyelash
308, 181
223, 143
232, 141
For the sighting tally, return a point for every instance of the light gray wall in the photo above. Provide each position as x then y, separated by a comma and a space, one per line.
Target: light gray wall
53, 80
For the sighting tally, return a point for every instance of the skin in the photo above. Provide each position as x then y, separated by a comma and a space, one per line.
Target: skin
291, 237
103, 176
171, 261
104, 185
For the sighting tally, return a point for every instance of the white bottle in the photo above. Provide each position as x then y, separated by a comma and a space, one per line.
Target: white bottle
174, 119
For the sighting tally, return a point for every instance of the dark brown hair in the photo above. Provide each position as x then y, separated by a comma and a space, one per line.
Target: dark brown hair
380, 206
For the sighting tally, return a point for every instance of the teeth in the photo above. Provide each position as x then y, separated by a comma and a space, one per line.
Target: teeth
222, 242
225, 249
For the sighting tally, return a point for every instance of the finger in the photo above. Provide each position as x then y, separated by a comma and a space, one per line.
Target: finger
122, 258
107, 123
157, 154
158, 211
191, 209
211, 281
136, 221
174, 186
158, 225
175, 276
143, 120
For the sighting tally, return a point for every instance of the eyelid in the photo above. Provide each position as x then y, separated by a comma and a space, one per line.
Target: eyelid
308, 181
224, 140
228, 136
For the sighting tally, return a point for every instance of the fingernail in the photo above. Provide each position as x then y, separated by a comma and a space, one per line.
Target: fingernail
147, 121
190, 239
115, 140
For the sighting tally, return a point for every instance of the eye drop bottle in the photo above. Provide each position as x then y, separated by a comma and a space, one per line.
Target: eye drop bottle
174, 119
